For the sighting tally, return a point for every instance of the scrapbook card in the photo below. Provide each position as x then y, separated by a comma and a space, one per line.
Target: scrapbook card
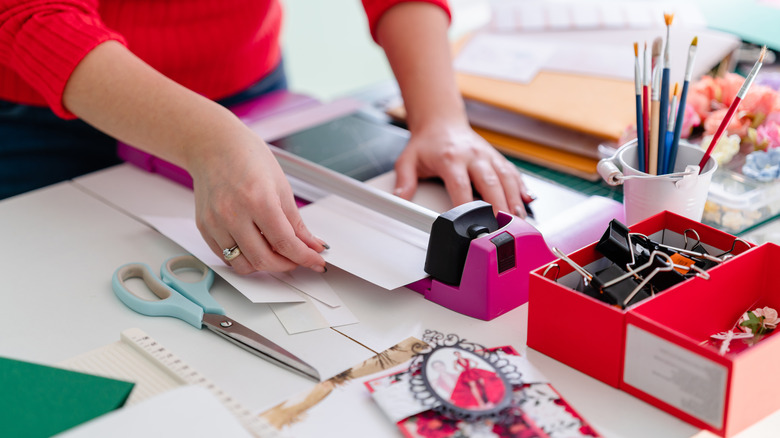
458, 389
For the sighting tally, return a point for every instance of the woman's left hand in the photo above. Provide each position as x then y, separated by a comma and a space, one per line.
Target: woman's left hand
462, 159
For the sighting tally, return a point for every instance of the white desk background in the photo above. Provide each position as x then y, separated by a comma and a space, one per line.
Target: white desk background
61, 244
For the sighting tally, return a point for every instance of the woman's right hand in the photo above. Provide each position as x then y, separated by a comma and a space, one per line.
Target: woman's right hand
243, 198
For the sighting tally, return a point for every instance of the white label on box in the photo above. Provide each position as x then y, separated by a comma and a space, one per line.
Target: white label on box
681, 378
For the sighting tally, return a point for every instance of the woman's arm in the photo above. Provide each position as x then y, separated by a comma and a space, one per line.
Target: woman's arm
414, 38
242, 196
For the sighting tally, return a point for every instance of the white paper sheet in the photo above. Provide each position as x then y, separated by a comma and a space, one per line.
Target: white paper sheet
365, 243
503, 57
186, 411
591, 53
322, 307
311, 315
299, 317
311, 283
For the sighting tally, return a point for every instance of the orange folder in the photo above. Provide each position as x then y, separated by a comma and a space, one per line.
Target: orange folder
556, 159
598, 106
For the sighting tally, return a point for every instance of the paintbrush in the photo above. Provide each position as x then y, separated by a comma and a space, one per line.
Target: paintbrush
733, 108
646, 103
640, 130
681, 111
655, 109
670, 127
663, 116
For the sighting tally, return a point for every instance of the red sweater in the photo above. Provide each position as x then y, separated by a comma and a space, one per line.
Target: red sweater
214, 47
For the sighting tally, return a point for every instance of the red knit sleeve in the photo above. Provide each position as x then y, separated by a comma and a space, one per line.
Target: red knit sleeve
375, 9
44, 40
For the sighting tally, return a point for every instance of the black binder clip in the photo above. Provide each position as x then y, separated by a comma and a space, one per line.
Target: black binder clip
629, 250
615, 244
612, 285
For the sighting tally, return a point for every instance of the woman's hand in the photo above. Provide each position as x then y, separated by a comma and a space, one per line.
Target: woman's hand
243, 198
460, 157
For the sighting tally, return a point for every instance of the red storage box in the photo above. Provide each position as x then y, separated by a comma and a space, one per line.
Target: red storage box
591, 338
670, 363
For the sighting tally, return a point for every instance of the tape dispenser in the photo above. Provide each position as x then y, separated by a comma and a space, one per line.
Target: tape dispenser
479, 263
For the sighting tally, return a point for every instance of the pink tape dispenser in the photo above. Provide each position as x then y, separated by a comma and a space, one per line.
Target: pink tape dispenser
478, 263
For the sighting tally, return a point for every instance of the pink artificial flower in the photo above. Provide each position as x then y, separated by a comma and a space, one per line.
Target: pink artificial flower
770, 317
707, 87
702, 95
760, 101
691, 119
729, 86
738, 125
768, 134
767, 317
700, 103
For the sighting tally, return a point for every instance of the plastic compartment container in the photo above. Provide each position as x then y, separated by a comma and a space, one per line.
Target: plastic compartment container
736, 203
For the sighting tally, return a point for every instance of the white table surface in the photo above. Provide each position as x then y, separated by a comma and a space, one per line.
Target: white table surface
62, 243
60, 248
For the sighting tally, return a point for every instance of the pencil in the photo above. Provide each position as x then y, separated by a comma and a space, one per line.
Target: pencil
646, 102
640, 130
683, 97
733, 108
670, 128
663, 116
655, 110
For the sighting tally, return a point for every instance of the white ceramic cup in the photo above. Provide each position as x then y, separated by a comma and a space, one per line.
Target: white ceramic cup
646, 195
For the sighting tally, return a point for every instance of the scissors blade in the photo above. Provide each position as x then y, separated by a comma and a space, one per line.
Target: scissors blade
257, 344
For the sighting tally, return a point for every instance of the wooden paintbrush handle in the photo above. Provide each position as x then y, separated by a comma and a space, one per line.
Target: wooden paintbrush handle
655, 110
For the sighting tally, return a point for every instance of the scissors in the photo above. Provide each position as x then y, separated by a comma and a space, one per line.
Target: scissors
191, 302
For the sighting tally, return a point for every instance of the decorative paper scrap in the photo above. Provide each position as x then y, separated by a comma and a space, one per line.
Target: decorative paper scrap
340, 399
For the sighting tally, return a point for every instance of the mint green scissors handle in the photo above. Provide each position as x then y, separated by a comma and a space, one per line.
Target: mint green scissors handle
197, 291
171, 303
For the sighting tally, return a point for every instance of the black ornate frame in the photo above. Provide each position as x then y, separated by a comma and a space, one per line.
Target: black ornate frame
424, 392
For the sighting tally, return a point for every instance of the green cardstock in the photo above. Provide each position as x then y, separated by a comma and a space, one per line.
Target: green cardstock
40, 401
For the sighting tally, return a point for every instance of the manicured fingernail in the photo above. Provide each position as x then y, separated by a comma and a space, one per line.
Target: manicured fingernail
531, 195
397, 191
320, 269
519, 211
322, 242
